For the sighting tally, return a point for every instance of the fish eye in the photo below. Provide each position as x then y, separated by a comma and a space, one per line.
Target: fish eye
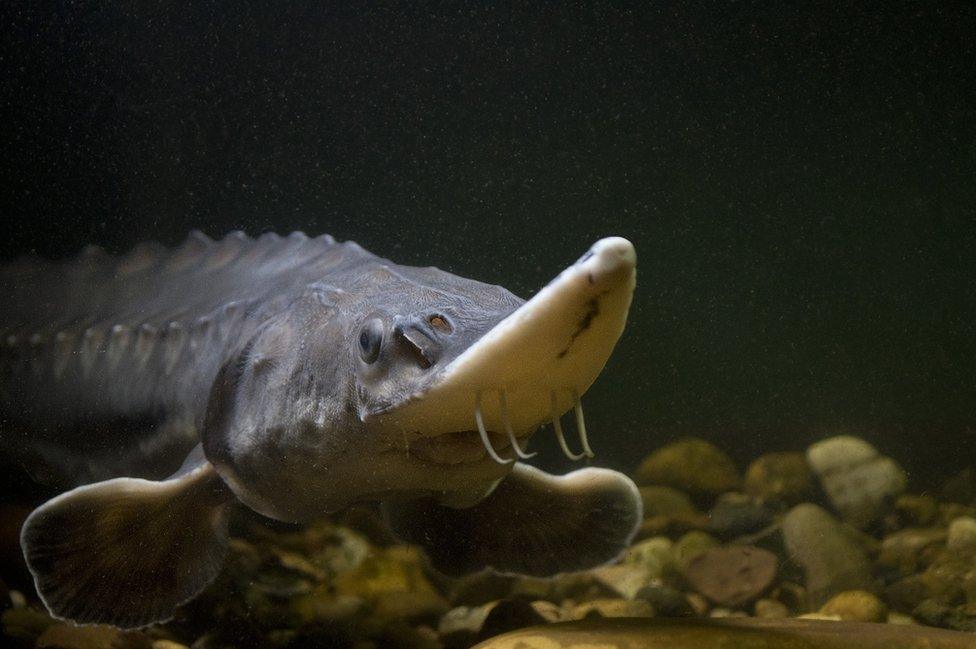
370, 340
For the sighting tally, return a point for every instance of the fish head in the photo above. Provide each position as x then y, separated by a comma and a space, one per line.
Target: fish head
409, 382
470, 405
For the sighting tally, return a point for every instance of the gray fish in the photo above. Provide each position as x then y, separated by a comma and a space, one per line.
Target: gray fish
297, 376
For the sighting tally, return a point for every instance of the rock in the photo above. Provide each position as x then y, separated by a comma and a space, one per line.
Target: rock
792, 595
780, 477
771, 609
905, 550
464, 625
962, 535
900, 618
668, 510
25, 624
699, 604
665, 501
729, 632
624, 580
860, 483
337, 549
690, 546
612, 608
906, 594
691, 465
831, 559
17, 599
481, 587
462, 622
945, 578
654, 555
508, 615
932, 613
397, 569
732, 576
856, 606
819, 616
949, 512
323, 607
553, 589
578, 587
735, 514
916, 511
418, 606
164, 643
69, 636
667, 601
283, 581
392, 633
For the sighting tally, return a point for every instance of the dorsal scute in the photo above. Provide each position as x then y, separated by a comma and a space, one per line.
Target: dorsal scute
155, 286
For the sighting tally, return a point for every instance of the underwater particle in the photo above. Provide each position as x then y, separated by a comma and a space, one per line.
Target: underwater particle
691, 465
732, 576
860, 483
856, 606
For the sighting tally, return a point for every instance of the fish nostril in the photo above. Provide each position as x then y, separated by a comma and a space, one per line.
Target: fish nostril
440, 323
419, 344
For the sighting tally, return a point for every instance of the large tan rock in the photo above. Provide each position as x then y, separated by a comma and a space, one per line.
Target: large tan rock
691, 465
729, 633
830, 554
784, 477
862, 484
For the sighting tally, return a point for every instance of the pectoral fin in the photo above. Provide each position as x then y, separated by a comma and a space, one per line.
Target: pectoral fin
532, 524
128, 551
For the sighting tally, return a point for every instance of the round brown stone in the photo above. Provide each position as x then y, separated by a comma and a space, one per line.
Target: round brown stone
732, 576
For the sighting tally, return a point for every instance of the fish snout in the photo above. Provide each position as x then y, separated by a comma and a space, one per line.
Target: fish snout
533, 365
609, 260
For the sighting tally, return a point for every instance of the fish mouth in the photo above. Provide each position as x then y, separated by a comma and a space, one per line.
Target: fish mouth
461, 447
530, 368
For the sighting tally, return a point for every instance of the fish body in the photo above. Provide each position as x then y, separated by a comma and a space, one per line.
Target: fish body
107, 363
294, 375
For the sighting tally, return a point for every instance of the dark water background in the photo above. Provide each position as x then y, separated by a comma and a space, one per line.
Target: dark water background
800, 183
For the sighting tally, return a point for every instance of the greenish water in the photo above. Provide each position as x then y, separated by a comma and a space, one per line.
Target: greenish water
799, 184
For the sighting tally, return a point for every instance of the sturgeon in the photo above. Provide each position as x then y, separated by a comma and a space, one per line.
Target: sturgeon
296, 376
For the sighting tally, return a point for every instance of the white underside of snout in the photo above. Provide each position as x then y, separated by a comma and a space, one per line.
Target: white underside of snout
542, 356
